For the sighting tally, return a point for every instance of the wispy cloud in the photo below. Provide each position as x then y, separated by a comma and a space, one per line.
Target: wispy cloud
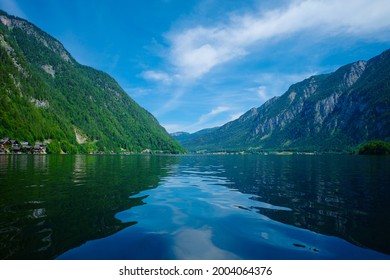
236, 116
136, 92
214, 112
261, 91
194, 51
216, 117
173, 127
173, 101
212, 118
158, 76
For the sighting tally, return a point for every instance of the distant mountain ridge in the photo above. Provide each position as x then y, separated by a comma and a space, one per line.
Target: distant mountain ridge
185, 137
46, 95
330, 112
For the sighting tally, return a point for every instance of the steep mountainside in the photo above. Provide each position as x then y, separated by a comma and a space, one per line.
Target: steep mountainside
332, 112
46, 95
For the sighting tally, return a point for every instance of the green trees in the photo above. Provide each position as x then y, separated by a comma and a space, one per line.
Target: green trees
375, 148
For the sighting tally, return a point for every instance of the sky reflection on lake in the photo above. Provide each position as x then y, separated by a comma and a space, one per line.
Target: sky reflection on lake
194, 207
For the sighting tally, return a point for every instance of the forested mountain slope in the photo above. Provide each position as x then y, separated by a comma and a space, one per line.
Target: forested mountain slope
46, 95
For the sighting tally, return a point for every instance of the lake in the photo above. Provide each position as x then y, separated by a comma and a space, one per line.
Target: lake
194, 207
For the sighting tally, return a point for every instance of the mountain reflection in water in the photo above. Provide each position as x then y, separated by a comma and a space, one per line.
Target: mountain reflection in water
50, 204
194, 207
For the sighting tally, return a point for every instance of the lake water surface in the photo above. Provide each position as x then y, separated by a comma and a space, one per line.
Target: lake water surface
194, 207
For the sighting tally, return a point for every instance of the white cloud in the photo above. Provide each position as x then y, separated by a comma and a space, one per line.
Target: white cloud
173, 101
216, 111
214, 118
236, 116
172, 127
210, 119
261, 91
137, 91
196, 50
156, 76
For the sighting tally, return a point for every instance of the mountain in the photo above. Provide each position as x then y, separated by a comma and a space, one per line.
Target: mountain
180, 134
45, 95
184, 137
330, 112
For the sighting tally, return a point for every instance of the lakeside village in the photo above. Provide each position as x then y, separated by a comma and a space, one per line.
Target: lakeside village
9, 146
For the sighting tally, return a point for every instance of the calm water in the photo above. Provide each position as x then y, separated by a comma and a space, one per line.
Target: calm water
194, 207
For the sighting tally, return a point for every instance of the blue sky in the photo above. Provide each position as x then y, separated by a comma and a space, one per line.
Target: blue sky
198, 64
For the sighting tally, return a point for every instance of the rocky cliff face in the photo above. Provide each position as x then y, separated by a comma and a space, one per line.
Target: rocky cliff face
327, 112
